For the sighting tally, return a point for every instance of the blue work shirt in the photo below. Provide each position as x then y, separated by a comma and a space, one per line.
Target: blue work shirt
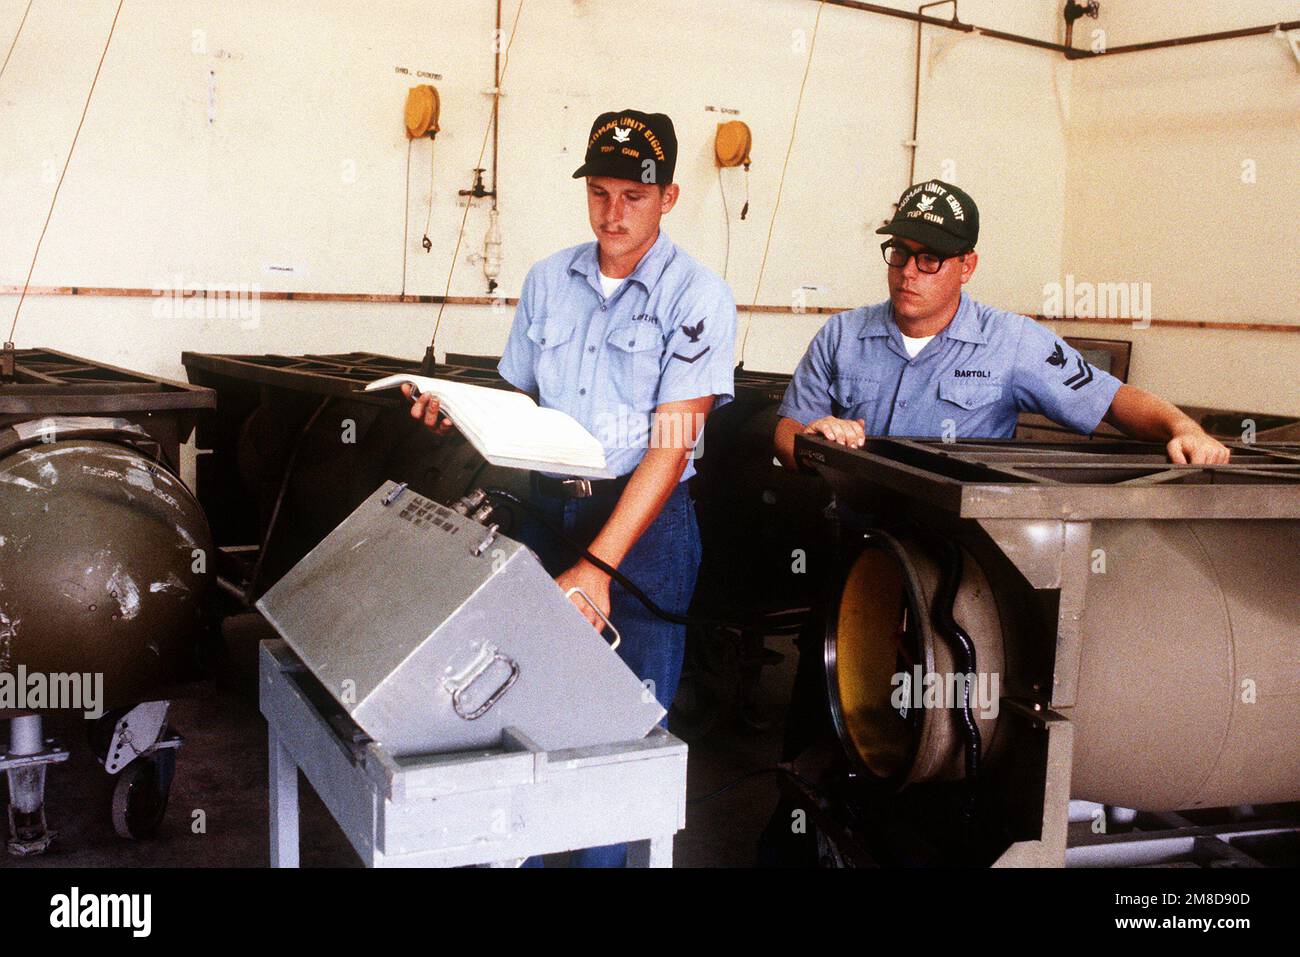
666, 334
970, 381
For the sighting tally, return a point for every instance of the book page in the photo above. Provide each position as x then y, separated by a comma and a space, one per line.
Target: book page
506, 425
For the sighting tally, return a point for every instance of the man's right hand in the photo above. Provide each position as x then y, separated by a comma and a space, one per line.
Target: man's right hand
426, 409
850, 432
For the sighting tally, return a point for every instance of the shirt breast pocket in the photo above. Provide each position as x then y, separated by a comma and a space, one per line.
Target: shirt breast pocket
970, 395
633, 350
854, 397
975, 408
550, 336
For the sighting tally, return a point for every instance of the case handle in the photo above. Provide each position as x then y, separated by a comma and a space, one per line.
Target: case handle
462, 682
608, 624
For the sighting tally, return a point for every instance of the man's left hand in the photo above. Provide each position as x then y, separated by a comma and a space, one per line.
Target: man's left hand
1197, 448
594, 583
1147, 417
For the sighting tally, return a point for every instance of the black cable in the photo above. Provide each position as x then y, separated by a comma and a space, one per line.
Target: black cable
250, 590
964, 651
943, 614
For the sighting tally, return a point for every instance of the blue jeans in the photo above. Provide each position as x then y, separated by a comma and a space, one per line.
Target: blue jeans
663, 564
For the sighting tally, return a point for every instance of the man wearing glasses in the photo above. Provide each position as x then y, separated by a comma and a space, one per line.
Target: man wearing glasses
932, 362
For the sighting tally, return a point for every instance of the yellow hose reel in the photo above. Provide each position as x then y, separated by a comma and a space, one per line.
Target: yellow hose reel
422, 112
732, 144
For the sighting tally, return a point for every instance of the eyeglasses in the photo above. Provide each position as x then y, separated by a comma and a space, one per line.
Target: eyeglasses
896, 256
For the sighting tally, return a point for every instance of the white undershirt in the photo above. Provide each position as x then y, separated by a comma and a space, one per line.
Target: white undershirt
608, 284
914, 346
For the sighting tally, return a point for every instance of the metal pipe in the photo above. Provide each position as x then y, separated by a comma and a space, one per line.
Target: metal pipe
1072, 12
1060, 47
1199, 38
1022, 40
904, 15
916, 90
26, 735
496, 100
26, 784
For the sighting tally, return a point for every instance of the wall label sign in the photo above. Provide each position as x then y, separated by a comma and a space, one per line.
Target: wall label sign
284, 269
422, 74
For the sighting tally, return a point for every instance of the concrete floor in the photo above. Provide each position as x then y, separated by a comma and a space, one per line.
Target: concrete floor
221, 771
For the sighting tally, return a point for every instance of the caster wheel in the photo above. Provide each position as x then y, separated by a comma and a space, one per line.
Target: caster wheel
140, 796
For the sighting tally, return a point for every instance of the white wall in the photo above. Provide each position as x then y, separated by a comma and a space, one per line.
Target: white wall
1162, 145
300, 161
306, 94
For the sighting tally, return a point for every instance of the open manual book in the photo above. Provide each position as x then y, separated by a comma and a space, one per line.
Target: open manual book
509, 429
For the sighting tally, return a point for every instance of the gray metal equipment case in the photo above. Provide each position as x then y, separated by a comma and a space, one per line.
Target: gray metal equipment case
490, 807
435, 634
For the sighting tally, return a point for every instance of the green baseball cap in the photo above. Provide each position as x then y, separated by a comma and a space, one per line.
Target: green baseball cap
937, 215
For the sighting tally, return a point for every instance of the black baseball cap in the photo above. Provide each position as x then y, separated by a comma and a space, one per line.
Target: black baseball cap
632, 145
937, 215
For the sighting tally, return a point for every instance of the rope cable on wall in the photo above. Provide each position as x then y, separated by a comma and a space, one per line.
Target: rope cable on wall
726, 213
426, 242
406, 214
794, 127
17, 34
57, 186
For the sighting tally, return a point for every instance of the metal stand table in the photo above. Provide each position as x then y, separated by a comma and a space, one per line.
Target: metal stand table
492, 808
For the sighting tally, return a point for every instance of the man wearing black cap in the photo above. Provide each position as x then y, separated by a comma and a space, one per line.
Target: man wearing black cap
933, 362
633, 338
